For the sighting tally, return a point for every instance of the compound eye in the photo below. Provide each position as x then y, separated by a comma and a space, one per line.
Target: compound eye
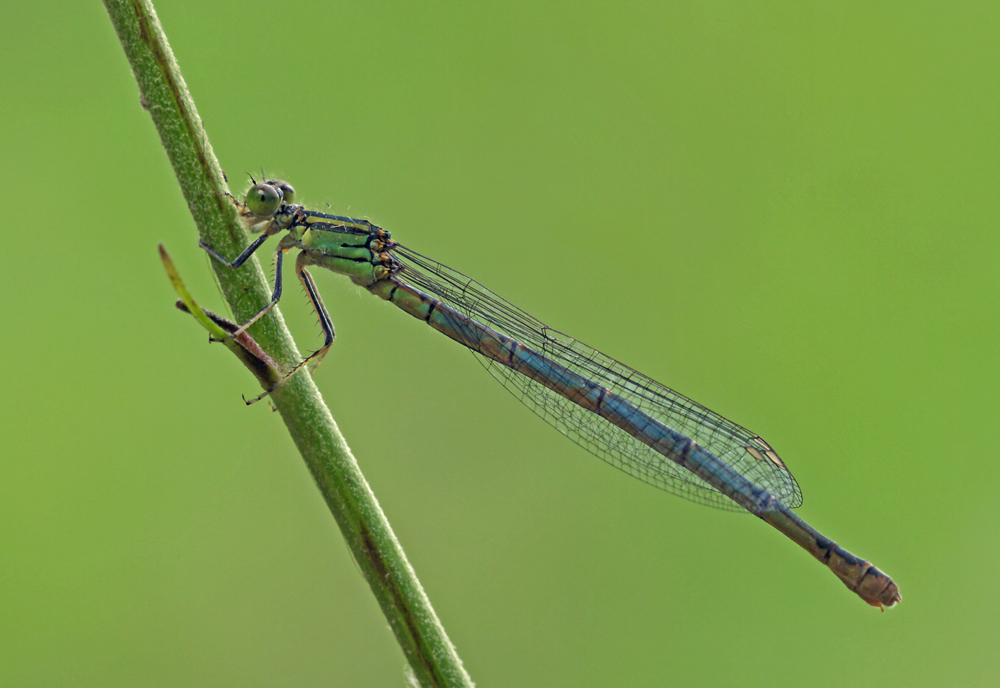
286, 190
263, 199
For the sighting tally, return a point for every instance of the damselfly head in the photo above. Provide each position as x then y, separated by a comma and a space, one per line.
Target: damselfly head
264, 199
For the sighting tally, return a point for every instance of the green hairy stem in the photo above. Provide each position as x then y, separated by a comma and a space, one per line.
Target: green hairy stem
431, 656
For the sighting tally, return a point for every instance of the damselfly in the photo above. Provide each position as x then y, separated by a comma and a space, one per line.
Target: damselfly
627, 419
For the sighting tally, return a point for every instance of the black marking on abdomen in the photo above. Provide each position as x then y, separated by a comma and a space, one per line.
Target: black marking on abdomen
513, 350
682, 455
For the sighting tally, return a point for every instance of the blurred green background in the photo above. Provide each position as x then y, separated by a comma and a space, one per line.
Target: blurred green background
788, 212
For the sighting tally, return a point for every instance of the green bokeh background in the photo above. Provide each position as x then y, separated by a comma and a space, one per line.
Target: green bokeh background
788, 212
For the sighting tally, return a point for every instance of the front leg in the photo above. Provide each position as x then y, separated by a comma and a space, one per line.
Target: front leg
240, 259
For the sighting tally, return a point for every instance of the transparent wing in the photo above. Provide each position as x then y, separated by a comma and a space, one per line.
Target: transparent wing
741, 449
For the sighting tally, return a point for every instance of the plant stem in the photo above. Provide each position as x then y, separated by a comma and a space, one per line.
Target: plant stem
379, 555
